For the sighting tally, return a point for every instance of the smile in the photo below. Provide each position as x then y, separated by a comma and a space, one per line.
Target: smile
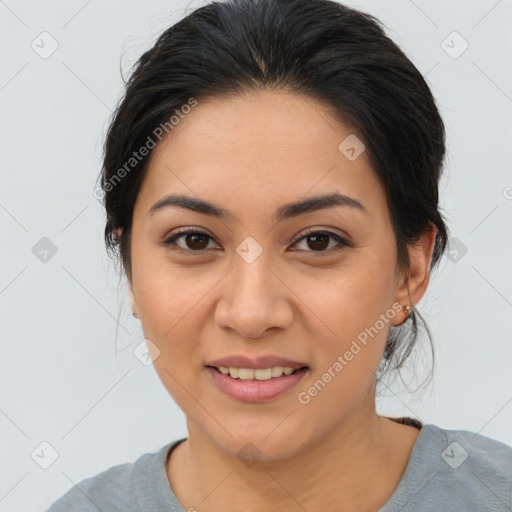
256, 385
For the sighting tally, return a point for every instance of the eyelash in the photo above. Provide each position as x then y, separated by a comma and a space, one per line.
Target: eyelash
344, 243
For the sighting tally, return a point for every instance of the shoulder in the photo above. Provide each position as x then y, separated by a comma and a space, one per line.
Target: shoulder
111, 489
114, 489
462, 469
474, 452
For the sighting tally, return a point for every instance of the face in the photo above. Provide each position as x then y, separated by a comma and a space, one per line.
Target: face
302, 286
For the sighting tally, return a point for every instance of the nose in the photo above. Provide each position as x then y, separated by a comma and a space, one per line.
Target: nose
254, 299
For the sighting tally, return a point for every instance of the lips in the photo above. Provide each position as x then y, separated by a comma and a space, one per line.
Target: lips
256, 380
256, 391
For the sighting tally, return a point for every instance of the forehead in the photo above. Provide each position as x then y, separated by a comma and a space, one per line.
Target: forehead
259, 148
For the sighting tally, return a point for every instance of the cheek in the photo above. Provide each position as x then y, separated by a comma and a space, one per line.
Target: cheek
169, 306
165, 293
168, 302
354, 308
348, 299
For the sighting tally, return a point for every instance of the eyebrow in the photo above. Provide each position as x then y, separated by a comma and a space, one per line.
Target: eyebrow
287, 211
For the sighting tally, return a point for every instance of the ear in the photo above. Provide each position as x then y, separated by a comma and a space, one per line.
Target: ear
117, 237
413, 286
133, 301
116, 234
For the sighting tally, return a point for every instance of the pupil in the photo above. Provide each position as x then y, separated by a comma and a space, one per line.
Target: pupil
317, 245
193, 237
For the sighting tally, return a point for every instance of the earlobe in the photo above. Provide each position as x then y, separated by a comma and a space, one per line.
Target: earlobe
116, 234
415, 285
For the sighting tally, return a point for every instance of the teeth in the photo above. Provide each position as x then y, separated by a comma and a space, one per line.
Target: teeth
256, 374
245, 373
277, 371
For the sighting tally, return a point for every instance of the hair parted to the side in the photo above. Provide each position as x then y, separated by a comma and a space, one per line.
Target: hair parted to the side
316, 48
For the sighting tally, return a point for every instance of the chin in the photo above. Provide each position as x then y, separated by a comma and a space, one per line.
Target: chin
257, 445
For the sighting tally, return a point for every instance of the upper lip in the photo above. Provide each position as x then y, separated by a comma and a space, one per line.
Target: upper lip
268, 361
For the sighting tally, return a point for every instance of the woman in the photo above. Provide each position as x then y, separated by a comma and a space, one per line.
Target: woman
271, 187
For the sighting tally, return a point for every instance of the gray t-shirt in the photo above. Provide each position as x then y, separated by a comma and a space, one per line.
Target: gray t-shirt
447, 470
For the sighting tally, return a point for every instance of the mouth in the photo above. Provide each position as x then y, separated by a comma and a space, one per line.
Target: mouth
256, 385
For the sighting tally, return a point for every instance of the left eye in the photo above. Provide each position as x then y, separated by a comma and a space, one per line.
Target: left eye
197, 241
319, 240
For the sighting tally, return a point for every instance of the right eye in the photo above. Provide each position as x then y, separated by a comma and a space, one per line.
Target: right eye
195, 241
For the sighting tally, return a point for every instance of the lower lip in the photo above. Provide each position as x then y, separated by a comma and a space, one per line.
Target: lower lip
256, 391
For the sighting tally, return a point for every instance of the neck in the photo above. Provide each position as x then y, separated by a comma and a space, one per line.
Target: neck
356, 467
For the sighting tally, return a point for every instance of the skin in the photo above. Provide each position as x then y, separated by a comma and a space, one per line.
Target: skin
250, 154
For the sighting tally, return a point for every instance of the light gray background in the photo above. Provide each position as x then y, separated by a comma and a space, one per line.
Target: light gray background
70, 380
